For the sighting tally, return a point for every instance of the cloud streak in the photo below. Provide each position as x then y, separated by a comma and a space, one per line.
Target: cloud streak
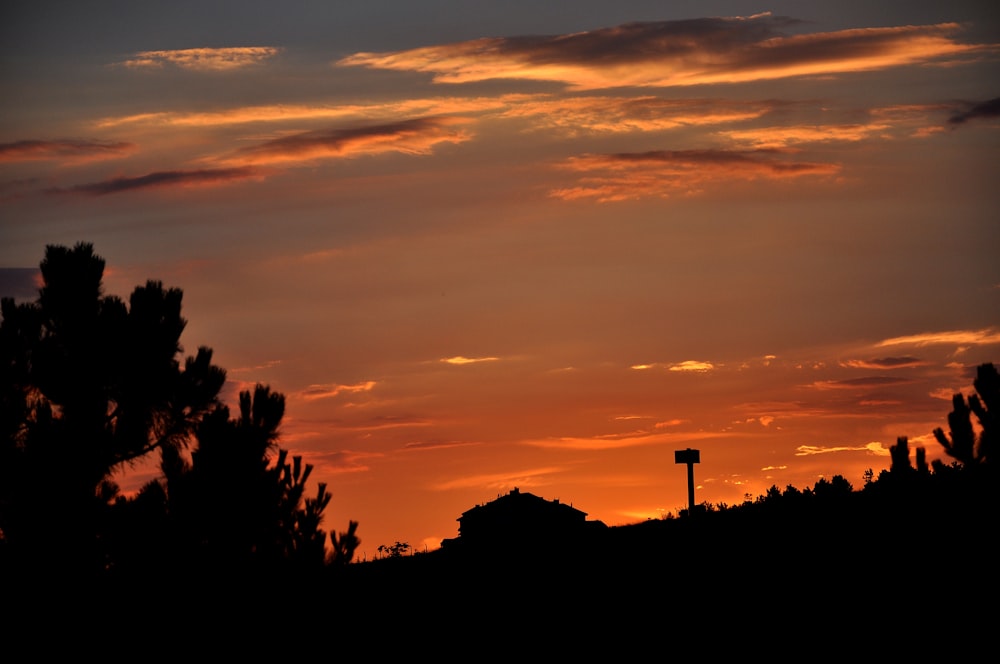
619, 441
885, 363
72, 150
328, 391
613, 115
179, 178
625, 176
405, 108
418, 136
986, 336
783, 137
202, 59
675, 53
872, 448
859, 383
460, 360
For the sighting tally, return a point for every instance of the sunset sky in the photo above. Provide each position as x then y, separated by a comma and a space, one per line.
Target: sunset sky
485, 245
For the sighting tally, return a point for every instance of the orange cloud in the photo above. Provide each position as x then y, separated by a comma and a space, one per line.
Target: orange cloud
617, 441
417, 136
626, 176
872, 448
675, 53
884, 363
692, 365
524, 478
383, 422
986, 336
298, 112
69, 150
781, 137
621, 114
687, 365
327, 391
859, 383
340, 462
568, 115
203, 59
270, 364
458, 359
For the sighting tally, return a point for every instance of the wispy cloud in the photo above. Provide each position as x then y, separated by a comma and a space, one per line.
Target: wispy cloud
270, 364
330, 390
203, 59
210, 176
383, 422
859, 383
692, 365
697, 366
626, 176
340, 462
423, 445
460, 360
884, 363
576, 115
676, 53
629, 439
962, 337
783, 137
873, 448
71, 150
418, 136
372, 111
528, 477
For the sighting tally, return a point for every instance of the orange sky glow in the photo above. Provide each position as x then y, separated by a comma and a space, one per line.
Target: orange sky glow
535, 250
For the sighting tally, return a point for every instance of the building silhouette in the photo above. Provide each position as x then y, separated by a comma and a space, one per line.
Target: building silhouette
521, 519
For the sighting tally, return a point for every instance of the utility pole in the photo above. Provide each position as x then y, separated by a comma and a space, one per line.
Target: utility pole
690, 457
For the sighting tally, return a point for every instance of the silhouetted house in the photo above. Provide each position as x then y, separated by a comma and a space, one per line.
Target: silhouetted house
520, 519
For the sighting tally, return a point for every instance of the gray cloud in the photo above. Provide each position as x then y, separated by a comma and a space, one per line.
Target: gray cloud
159, 179
31, 150
985, 109
637, 42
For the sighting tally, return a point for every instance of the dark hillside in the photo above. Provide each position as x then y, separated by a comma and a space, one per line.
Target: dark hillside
846, 565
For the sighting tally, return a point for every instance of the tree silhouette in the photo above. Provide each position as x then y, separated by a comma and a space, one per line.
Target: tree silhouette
90, 385
962, 443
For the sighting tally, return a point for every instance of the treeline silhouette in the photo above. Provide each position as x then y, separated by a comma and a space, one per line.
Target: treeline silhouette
92, 384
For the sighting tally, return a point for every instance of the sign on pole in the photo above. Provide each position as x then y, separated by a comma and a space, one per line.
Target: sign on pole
689, 457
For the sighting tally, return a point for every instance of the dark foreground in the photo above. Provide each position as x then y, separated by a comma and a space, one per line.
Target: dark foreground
859, 580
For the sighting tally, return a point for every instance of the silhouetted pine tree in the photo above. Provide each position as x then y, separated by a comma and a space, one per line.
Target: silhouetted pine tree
89, 385
962, 443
